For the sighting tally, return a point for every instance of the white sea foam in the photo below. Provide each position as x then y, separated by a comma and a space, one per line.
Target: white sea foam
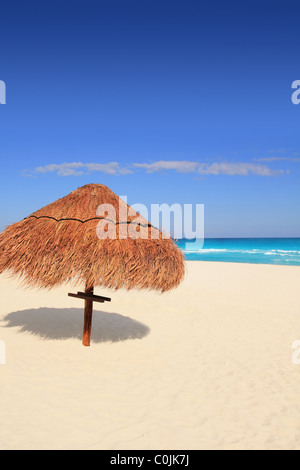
287, 253
251, 253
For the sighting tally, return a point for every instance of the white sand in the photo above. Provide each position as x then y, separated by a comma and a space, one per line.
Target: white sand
206, 366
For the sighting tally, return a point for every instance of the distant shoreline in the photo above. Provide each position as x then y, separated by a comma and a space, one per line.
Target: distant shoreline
269, 251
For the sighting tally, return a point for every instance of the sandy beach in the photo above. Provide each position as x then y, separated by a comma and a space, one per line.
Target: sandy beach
205, 366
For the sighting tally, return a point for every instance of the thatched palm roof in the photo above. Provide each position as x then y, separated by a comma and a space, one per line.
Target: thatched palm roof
58, 244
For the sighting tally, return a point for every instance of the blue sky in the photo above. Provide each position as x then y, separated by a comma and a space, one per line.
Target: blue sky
164, 102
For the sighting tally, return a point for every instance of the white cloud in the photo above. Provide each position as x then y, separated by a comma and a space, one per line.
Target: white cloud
112, 168
62, 169
239, 168
180, 166
79, 168
183, 166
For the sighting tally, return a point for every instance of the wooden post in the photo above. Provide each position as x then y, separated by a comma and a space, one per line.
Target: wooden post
88, 312
89, 298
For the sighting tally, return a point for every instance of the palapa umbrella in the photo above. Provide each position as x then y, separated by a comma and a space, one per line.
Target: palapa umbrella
74, 241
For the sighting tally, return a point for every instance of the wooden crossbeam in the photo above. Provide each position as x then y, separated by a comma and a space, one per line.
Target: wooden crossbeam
106, 299
94, 298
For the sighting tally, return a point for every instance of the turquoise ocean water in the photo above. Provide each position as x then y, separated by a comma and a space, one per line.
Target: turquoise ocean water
284, 251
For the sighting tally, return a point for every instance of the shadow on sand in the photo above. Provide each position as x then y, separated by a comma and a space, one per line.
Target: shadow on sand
65, 323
